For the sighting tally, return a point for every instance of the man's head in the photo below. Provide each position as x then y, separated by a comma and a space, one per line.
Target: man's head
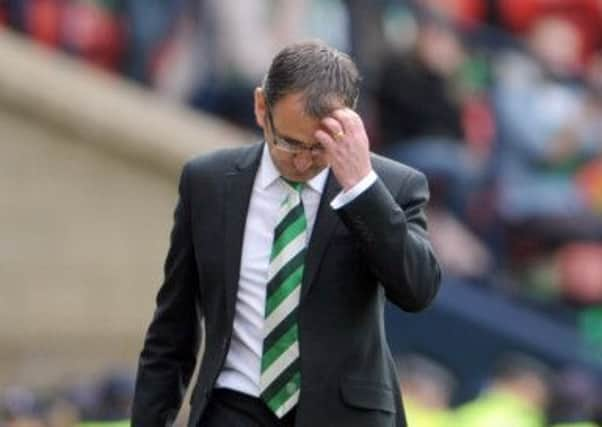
306, 81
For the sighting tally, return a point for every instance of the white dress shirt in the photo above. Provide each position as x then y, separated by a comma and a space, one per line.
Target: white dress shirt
241, 370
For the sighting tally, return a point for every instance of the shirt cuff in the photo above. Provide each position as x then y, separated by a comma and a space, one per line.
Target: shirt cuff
345, 197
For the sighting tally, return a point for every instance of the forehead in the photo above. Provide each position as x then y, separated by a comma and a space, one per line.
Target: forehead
290, 117
292, 103
310, 104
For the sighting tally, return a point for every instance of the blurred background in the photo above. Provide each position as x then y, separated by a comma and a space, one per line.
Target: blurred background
499, 102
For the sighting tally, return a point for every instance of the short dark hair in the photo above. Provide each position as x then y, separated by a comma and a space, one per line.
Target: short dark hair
325, 75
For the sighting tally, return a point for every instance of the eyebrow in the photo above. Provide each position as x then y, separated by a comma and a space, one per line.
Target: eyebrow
288, 138
303, 144
294, 140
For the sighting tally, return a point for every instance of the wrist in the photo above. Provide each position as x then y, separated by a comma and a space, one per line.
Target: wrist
348, 184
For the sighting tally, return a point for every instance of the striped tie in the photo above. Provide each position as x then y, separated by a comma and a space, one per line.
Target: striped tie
280, 371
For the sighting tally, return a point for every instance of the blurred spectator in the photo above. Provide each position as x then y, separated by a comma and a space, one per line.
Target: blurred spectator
183, 58
432, 106
20, 408
41, 19
103, 402
149, 25
548, 174
464, 12
62, 413
236, 65
584, 15
416, 96
575, 397
517, 397
447, 235
581, 273
93, 30
116, 392
433, 116
590, 328
112, 397
366, 33
548, 131
428, 389
116, 35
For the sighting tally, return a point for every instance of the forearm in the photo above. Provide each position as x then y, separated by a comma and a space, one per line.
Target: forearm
168, 358
172, 340
395, 241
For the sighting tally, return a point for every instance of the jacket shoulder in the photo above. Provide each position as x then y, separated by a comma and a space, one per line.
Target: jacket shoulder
394, 173
219, 162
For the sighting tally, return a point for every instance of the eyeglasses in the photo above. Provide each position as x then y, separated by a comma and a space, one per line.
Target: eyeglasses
291, 145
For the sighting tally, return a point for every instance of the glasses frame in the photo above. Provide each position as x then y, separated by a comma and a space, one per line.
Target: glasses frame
293, 147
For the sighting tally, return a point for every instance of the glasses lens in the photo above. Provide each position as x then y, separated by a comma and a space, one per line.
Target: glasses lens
289, 146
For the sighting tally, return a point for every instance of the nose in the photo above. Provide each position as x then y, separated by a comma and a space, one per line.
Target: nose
302, 160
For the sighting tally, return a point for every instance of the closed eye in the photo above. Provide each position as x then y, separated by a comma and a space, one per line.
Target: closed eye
294, 143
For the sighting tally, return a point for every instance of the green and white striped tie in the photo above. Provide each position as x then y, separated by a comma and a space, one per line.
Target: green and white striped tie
280, 370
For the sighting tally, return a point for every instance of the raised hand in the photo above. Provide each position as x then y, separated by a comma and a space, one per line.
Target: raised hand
347, 147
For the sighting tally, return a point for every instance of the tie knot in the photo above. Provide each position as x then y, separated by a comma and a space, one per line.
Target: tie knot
295, 186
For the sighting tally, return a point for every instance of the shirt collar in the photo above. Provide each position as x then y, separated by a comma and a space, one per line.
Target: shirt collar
268, 173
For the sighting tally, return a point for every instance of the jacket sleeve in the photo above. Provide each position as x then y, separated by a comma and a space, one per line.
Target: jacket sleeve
171, 344
393, 235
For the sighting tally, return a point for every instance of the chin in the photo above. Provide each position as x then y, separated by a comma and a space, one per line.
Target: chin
302, 177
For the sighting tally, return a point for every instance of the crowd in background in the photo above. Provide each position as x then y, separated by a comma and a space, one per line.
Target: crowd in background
499, 102
93, 402
520, 392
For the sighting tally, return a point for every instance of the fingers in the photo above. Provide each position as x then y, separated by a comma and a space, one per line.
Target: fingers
342, 122
334, 128
326, 139
331, 146
346, 146
342, 125
348, 119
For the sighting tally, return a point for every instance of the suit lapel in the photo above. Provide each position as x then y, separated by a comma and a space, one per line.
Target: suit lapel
326, 220
239, 186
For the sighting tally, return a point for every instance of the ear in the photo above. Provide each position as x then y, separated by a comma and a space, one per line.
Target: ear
260, 107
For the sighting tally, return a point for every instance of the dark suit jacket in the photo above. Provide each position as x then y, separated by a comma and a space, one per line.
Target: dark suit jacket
374, 247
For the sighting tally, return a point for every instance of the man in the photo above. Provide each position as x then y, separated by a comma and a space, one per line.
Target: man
286, 250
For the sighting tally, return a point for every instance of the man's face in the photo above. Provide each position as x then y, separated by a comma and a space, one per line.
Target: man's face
289, 134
